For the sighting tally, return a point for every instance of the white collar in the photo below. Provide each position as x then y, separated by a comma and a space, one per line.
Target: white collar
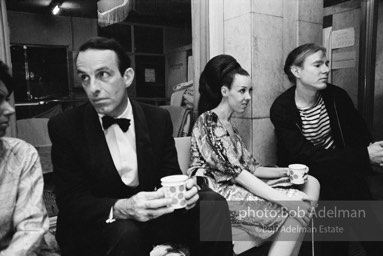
128, 113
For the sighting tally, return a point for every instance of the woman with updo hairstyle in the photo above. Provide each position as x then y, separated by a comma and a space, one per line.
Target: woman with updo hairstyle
221, 71
219, 153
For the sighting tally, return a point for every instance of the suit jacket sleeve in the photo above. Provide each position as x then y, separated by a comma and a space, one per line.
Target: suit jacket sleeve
169, 160
75, 200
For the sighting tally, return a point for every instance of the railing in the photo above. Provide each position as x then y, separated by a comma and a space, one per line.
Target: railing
154, 101
45, 102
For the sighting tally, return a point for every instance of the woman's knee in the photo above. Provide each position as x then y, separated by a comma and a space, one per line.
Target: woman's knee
313, 186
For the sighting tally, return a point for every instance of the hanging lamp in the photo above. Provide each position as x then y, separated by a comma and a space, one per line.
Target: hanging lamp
113, 11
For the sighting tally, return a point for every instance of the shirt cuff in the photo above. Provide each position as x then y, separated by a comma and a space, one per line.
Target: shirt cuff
110, 217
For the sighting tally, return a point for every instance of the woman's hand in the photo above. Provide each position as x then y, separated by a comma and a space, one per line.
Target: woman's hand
299, 207
287, 173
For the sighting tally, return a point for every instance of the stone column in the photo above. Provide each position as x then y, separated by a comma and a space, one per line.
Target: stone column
260, 34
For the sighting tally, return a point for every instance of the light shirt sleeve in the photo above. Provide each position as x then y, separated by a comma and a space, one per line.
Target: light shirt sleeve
29, 216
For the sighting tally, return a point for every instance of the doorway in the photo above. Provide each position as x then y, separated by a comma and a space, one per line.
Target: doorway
378, 92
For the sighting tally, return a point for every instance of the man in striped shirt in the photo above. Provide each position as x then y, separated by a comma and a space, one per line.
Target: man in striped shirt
317, 124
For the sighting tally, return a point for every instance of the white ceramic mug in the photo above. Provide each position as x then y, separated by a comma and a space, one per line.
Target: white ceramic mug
297, 172
175, 188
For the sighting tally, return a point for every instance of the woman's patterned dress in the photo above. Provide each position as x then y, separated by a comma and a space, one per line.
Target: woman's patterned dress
222, 158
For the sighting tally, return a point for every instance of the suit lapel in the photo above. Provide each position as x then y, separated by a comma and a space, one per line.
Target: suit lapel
144, 147
99, 154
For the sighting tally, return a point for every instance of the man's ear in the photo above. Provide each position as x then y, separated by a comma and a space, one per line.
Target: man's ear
128, 77
224, 90
296, 71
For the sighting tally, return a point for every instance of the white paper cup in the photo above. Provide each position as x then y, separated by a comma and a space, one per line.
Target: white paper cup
175, 187
296, 173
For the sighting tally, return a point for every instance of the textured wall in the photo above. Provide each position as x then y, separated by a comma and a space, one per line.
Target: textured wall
29, 28
260, 34
378, 99
345, 15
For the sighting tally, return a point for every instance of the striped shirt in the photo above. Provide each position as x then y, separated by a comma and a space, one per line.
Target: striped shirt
316, 124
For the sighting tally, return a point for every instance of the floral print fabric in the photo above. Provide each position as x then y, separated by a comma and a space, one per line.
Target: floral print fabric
222, 158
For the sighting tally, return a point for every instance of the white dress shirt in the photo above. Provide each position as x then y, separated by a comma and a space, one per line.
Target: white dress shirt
122, 147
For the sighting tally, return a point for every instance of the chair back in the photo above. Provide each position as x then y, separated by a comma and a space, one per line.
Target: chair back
35, 132
183, 152
181, 119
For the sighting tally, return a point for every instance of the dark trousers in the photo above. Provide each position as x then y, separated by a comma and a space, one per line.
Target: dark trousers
343, 187
351, 187
205, 230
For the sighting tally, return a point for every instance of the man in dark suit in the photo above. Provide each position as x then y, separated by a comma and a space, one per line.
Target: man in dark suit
108, 158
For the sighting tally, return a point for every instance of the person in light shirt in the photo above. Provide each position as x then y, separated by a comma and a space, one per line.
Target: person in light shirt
23, 217
109, 156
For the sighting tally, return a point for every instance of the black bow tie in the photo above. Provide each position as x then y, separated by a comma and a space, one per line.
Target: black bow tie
107, 121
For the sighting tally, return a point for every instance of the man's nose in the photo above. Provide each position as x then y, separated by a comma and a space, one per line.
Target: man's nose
8, 109
94, 86
325, 69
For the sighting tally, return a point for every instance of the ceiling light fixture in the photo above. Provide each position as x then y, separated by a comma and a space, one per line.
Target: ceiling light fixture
56, 9
113, 11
